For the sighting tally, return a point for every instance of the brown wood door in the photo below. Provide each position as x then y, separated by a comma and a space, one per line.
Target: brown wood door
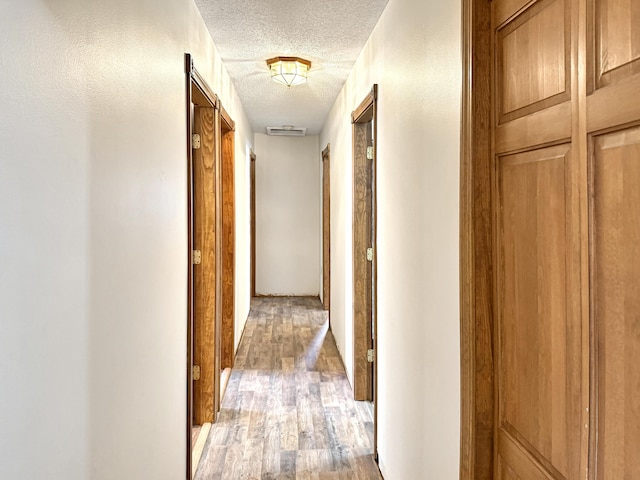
566, 221
205, 284
362, 261
613, 145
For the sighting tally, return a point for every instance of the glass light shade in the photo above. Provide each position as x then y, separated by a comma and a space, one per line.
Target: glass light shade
289, 70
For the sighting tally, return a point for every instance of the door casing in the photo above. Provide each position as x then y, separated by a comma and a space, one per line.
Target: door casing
201, 101
364, 124
326, 228
227, 162
252, 207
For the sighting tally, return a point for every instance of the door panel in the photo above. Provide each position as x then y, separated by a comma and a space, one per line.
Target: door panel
205, 285
613, 116
533, 312
533, 60
616, 301
362, 278
617, 40
564, 162
538, 336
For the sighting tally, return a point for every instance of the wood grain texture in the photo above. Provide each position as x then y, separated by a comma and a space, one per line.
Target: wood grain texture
218, 313
597, 122
613, 116
362, 268
539, 215
204, 181
228, 247
326, 228
287, 411
476, 266
533, 60
532, 345
617, 43
616, 302
198, 94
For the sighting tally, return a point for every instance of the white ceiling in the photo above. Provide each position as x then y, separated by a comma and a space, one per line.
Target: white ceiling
329, 33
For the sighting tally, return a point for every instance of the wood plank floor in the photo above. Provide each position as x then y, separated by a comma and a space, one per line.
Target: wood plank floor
288, 411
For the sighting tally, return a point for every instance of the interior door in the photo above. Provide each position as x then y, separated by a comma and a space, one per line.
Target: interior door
363, 254
566, 150
613, 140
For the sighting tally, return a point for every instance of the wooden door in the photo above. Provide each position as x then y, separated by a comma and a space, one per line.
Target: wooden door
566, 226
205, 284
326, 228
613, 146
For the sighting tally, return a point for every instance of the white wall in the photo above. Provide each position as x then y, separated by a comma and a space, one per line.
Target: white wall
414, 56
93, 234
287, 215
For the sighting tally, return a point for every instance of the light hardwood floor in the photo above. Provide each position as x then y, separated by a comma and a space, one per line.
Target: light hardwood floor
288, 411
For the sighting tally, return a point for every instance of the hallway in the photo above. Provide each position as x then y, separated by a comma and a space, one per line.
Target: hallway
288, 411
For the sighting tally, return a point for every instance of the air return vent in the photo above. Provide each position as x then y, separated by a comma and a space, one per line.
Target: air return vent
287, 130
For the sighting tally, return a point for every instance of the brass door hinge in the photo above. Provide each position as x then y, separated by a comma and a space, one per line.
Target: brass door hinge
195, 141
195, 372
196, 257
369, 153
370, 254
370, 355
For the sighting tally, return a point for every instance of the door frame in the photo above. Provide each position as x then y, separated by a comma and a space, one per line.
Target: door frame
227, 163
476, 245
326, 227
198, 93
252, 213
365, 378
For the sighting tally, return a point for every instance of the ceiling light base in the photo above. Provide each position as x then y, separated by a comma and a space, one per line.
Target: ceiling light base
289, 70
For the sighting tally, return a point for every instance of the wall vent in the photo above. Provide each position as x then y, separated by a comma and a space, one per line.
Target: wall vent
287, 130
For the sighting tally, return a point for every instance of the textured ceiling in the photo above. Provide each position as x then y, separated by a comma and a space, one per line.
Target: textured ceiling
329, 33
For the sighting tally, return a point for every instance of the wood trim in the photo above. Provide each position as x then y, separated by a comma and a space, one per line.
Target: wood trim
252, 179
367, 102
189, 423
365, 312
197, 92
476, 266
200, 95
205, 280
227, 122
326, 228
374, 200
218, 266
227, 137
203, 93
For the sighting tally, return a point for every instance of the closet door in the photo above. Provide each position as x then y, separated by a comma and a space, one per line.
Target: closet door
539, 164
566, 224
613, 135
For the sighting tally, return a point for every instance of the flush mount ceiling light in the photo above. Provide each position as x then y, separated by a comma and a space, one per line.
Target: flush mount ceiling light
289, 70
